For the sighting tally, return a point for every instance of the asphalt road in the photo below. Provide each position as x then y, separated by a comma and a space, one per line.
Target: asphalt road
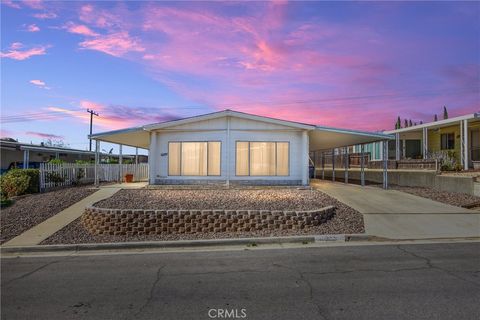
435, 281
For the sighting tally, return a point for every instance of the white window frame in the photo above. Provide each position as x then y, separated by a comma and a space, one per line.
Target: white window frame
249, 169
181, 168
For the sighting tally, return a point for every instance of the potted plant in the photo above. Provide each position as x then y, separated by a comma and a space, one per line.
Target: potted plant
129, 177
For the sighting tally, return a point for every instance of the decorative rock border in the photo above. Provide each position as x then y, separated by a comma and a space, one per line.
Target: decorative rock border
144, 222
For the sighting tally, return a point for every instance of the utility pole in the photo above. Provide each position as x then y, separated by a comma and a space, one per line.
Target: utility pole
92, 113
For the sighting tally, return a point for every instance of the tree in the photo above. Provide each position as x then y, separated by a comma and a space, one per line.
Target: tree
410, 123
398, 124
421, 122
54, 143
435, 118
405, 123
445, 113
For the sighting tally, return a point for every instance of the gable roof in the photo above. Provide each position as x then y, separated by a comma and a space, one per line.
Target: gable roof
229, 113
140, 137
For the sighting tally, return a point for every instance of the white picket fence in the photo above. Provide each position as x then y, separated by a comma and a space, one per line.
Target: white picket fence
67, 174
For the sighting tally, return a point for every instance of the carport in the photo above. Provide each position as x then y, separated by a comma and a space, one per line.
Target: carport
332, 146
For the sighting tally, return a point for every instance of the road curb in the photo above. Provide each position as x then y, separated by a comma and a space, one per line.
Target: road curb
179, 244
158, 244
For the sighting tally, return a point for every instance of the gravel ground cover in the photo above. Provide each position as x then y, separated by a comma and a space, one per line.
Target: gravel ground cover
452, 198
240, 199
29, 211
346, 219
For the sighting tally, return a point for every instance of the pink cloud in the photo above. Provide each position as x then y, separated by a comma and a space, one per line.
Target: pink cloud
33, 28
39, 83
115, 44
304, 70
34, 4
44, 135
80, 29
5, 133
15, 53
11, 4
45, 15
16, 45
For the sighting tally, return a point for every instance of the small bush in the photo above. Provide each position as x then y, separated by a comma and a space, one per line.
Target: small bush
14, 183
84, 161
54, 177
5, 203
56, 161
19, 181
34, 185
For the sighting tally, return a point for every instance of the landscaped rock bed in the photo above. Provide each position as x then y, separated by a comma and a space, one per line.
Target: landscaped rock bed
345, 219
451, 198
212, 199
26, 212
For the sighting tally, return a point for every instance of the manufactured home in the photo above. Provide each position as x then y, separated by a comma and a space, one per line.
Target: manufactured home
230, 147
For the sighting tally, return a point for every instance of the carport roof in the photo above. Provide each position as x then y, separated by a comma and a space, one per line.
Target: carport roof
322, 137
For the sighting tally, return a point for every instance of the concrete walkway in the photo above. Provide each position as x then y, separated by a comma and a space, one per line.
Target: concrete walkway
48, 227
398, 215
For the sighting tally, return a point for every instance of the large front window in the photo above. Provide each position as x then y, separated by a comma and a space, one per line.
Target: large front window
194, 158
262, 158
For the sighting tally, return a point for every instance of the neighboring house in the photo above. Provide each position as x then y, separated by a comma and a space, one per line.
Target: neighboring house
460, 136
233, 147
27, 155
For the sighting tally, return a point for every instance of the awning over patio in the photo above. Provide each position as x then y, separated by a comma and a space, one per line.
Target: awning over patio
133, 137
322, 138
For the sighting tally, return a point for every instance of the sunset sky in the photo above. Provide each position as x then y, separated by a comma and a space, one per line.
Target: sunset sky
354, 65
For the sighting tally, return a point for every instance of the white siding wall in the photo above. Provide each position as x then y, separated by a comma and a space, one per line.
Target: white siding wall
240, 130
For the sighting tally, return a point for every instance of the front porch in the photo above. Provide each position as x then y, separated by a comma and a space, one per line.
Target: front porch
455, 143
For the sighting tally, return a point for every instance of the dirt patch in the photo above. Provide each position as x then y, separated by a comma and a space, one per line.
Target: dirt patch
452, 198
345, 221
28, 211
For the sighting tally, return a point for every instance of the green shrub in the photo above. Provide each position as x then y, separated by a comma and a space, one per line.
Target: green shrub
56, 161
34, 184
84, 161
4, 202
19, 181
54, 177
14, 183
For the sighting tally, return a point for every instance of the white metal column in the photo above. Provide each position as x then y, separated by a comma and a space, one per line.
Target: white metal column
385, 164
323, 165
136, 155
333, 165
120, 162
305, 158
464, 138
26, 158
97, 161
346, 164
152, 157
425, 142
397, 146
362, 165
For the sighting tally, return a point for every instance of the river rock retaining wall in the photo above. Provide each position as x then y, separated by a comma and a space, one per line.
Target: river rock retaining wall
144, 222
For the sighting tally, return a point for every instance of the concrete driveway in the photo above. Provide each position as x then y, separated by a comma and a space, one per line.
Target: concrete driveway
397, 215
